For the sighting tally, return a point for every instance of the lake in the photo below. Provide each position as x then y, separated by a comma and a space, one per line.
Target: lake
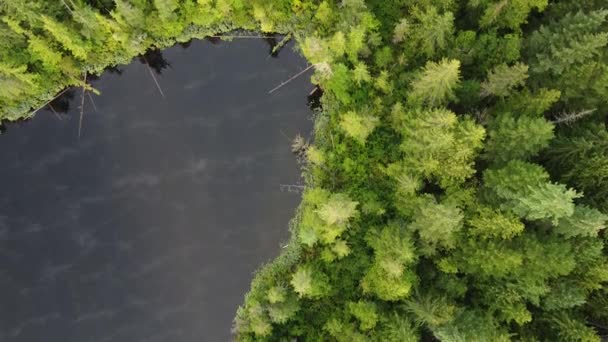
149, 226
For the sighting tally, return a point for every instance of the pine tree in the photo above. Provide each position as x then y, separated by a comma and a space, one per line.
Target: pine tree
69, 39
503, 78
507, 13
437, 225
358, 126
389, 278
524, 189
570, 54
572, 40
585, 221
432, 31
580, 159
517, 138
439, 147
436, 84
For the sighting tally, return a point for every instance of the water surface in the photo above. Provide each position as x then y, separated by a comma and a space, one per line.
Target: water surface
148, 227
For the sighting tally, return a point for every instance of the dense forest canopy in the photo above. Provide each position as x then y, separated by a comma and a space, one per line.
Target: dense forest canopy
457, 187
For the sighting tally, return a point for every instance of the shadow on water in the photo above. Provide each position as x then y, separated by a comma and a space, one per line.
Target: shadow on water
149, 226
272, 43
61, 104
154, 58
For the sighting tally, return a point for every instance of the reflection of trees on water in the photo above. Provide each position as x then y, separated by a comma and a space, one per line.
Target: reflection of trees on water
114, 70
314, 98
214, 40
272, 43
61, 104
154, 58
185, 45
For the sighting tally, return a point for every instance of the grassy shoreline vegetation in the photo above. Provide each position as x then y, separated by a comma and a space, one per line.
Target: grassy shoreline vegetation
457, 187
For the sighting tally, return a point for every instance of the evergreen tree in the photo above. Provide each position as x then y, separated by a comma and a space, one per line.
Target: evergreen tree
570, 53
517, 138
580, 159
438, 146
507, 13
525, 189
436, 84
502, 79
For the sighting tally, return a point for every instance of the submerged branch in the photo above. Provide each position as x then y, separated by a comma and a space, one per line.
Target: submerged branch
47, 102
92, 102
160, 90
281, 44
84, 82
55, 112
292, 187
291, 78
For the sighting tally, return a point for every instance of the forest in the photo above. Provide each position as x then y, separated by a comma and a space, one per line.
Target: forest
457, 184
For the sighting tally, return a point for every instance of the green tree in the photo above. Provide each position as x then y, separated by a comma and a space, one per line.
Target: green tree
525, 189
437, 225
507, 13
389, 278
436, 84
309, 282
511, 137
365, 312
580, 159
69, 39
585, 221
570, 54
432, 31
358, 126
437, 146
503, 78
573, 39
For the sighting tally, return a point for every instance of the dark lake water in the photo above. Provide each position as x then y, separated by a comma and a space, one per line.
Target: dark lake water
148, 227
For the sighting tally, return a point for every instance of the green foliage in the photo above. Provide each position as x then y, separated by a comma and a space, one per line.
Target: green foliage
572, 40
507, 13
358, 126
366, 314
487, 223
572, 329
431, 310
512, 138
437, 225
436, 84
436, 145
570, 54
584, 221
580, 159
308, 282
69, 39
389, 277
433, 30
524, 189
428, 212
326, 218
397, 328
503, 78
337, 210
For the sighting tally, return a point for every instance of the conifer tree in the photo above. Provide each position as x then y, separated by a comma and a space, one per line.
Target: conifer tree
503, 78
517, 138
507, 13
436, 84
69, 39
525, 189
